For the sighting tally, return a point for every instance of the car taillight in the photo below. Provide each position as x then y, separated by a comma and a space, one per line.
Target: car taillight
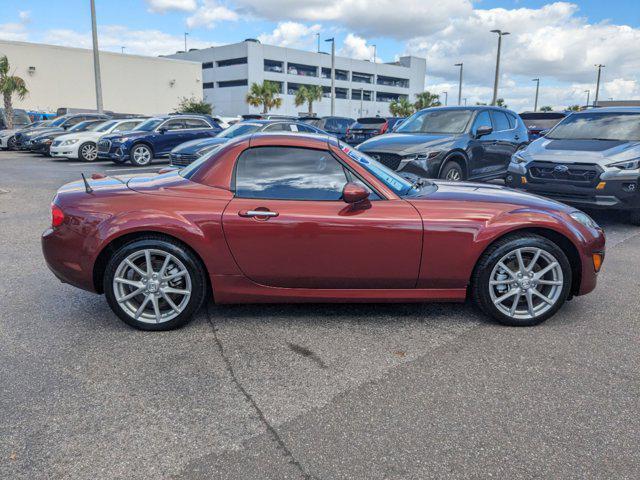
57, 215
348, 131
383, 128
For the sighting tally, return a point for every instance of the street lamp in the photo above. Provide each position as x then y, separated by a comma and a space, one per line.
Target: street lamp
122, 49
375, 47
333, 74
96, 58
599, 67
185, 41
495, 82
535, 104
461, 65
446, 98
588, 92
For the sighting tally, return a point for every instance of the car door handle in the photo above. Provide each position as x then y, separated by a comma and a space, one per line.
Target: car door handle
257, 213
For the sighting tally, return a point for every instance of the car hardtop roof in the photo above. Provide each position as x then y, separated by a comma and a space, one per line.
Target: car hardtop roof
289, 137
609, 110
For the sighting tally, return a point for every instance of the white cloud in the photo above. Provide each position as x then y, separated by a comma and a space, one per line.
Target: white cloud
356, 47
209, 13
291, 34
113, 37
161, 6
25, 16
16, 31
394, 18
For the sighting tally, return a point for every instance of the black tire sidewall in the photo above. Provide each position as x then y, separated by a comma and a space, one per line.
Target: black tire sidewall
191, 262
482, 276
81, 156
140, 145
450, 165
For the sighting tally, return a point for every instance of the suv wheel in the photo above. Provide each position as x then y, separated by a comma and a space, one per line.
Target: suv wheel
88, 152
452, 171
11, 143
141, 155
634, 217
521, 280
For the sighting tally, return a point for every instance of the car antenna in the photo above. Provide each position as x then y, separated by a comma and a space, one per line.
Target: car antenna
87, 187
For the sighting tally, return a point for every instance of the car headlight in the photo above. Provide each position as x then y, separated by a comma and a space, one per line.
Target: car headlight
518, 157
633, 164
69, 142
584, 219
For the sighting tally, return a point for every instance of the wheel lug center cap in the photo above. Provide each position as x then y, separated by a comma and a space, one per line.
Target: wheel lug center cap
153, 287
525, 283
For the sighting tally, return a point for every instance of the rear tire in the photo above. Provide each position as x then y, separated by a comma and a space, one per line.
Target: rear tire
518, 296
155, 283
634, 217
453, 171
88, 152
141, 155
11, 143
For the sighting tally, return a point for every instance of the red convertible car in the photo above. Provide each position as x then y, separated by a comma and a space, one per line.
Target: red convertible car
305, 218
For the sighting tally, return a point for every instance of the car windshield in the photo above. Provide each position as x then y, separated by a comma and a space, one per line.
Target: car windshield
58, 121
103, 127
83, 126
149, 125
436, 121
238, 129
390, 178
598, 126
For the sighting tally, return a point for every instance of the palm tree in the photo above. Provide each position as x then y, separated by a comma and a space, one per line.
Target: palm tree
546, 108
265, 95
426, 99
10, 84
308, 95
574, 108
500, 103
401, 107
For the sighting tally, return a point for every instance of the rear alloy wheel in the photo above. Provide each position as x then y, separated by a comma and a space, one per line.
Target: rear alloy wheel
11, 143
452, 171
141, 155
522, 280
154, 284
88, 152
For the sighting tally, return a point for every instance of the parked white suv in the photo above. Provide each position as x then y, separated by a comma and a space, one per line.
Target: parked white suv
83, 145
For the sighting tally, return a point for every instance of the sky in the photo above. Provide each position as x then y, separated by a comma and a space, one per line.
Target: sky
558, 42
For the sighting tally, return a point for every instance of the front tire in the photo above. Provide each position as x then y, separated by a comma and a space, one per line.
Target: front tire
155, 283
88, 152
11, 143
141, 155
453, 172
634, 217
521, 280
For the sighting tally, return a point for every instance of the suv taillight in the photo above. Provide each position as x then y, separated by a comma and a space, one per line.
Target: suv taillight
57, 215
383, 128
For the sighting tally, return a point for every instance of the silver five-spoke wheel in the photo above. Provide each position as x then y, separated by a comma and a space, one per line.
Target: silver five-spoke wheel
526, 283
152, 286
141, 155
88, 152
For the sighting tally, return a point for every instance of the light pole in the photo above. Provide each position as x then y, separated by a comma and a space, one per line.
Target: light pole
600, 67
122, 49
495, 82
185, 41
333, 74
465, 101
375, 47
446, 98
318, 37
461, 65
535, 104
588, 92
96, 58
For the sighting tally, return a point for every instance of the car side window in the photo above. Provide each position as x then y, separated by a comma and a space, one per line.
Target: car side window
482, 120
174, 125
500, 121
289, 173
512, 120
74, 121
196, 123
305, 128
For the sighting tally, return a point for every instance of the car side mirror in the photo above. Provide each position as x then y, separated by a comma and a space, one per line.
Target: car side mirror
483, 130
353, 193
162, 130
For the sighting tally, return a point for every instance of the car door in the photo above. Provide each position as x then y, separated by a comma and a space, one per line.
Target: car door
307, 236
506, 143
170, 134
483, 150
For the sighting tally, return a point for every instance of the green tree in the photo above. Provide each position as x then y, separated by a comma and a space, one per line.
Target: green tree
500, 103
426, 99
10, 85
401, 107
546, 108
194, 105
481, 103
574, 108
308, 95
264, 95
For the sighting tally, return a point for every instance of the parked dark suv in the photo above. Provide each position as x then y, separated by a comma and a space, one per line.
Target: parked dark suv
335, 126
591, 159
455, 143
155, 138
539, 122
368, 127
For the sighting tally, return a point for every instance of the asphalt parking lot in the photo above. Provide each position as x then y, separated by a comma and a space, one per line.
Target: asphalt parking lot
306, 391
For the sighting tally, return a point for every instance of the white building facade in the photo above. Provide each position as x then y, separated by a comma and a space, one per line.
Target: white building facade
63, 77
362, 88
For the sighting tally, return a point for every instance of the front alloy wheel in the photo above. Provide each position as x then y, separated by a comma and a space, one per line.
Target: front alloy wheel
88, 152
141, 155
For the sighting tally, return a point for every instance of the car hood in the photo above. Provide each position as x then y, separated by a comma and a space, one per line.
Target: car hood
80, 136
488, 193
406, 143
192, 146
126, 135
601, 152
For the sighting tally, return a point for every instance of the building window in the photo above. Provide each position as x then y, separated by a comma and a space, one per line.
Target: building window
232, 61
233, 83
300, 69
340, 92
362, 77
206, 65
207, 85
273, 66
393, 81
340, 74
388, 97
366, 94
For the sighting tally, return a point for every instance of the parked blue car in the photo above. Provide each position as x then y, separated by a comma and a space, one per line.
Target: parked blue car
155, 138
